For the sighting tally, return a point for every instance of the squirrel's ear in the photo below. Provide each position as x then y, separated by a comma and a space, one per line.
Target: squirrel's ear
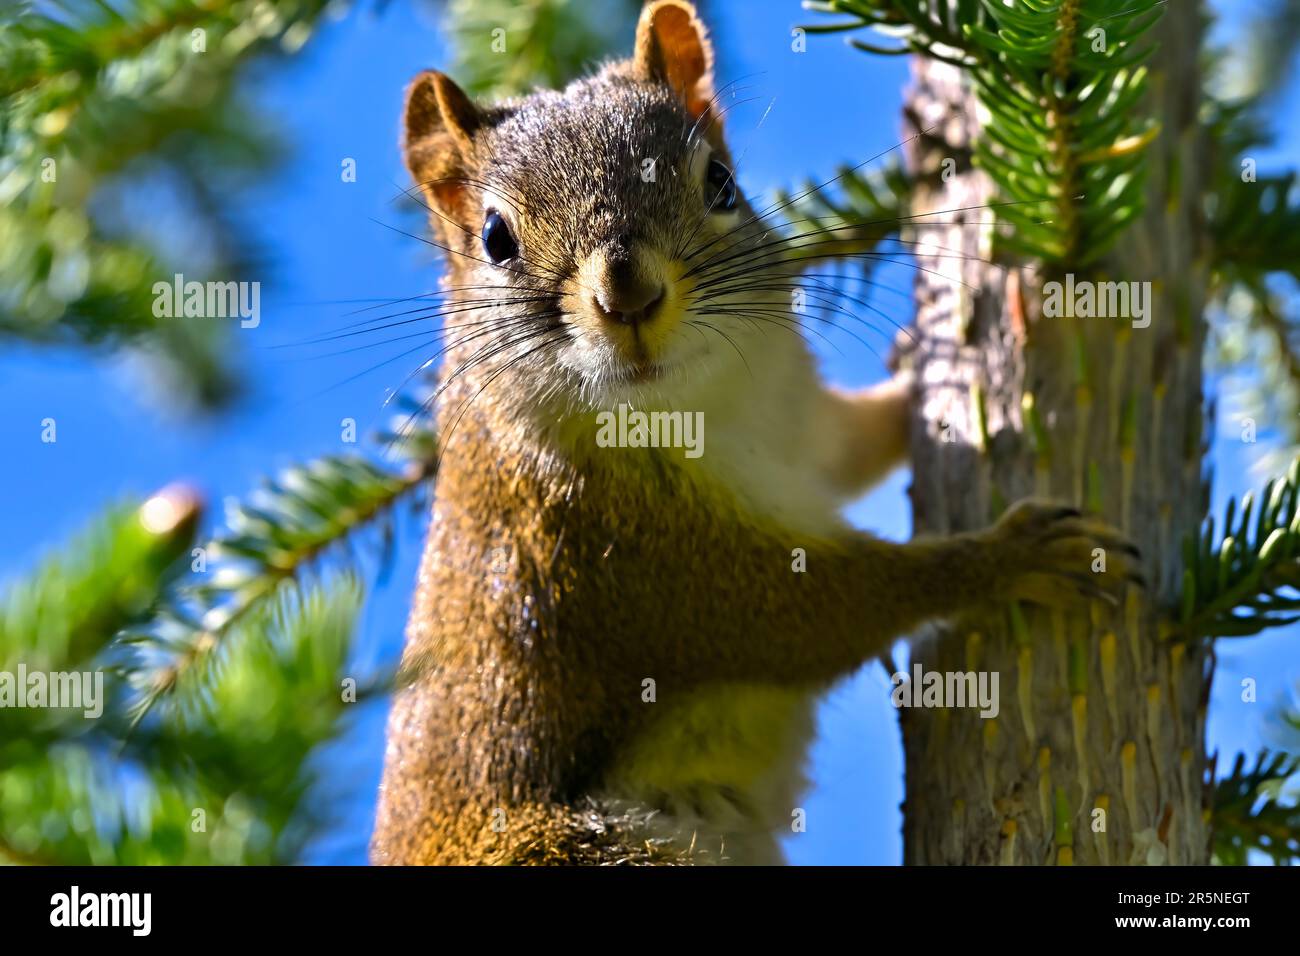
439, 126
673, 47
435, 104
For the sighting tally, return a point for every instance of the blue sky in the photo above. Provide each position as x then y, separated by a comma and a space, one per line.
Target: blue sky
341, 99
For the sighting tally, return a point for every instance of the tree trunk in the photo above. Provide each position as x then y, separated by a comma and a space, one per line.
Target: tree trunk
1098, 752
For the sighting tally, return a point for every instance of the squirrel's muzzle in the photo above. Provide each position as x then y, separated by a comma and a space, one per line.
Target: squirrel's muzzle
627, 286
625, 297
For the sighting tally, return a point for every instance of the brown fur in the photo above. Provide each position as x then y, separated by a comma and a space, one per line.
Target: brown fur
531, 680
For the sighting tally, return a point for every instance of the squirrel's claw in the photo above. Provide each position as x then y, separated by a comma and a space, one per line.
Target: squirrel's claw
1055, 555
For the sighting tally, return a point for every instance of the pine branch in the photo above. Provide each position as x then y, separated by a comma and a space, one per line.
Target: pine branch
62, 617
277, 695
1252, 215
872, 208
932, 29
271, 540
1062, 81
1252, 812
1247, 580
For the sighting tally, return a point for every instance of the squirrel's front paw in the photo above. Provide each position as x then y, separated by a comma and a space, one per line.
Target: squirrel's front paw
1055, 555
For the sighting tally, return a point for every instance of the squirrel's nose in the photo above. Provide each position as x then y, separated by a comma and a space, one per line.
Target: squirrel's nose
630, 301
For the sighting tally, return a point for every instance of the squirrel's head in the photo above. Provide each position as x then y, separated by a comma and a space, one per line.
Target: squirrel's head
591, 232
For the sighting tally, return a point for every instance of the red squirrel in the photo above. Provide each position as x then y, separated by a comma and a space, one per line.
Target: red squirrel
617, 649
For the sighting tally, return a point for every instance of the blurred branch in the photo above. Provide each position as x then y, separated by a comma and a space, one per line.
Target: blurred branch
96, 99
1254, 222
1260, 63
1256, 227
68, 609
223, 780
509, 47
1252, 812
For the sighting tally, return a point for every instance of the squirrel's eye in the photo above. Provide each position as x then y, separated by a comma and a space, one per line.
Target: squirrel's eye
497, 241
720, 187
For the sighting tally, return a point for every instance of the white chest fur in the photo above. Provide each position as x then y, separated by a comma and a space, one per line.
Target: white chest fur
724, 766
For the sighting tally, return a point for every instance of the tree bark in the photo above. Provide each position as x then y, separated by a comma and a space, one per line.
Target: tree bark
1098, 753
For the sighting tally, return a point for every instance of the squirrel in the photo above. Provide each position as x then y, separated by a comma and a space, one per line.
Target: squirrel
614, 652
